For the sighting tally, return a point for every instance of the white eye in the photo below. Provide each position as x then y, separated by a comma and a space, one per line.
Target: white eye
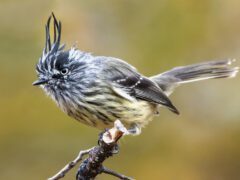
64, 71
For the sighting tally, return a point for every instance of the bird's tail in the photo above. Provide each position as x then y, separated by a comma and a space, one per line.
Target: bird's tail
168, 80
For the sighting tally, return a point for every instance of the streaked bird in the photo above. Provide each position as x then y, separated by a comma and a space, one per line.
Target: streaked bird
97, 90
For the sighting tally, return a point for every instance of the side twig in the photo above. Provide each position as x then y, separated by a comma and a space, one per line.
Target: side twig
113, 173
70, 165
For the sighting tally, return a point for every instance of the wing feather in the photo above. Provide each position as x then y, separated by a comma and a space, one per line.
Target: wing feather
129, 84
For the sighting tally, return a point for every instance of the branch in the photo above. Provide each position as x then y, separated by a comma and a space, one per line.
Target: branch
92, 166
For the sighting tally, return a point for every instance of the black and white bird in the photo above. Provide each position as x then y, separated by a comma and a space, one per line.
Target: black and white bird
98, 90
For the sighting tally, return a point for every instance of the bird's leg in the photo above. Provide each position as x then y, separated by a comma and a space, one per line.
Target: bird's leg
134, 129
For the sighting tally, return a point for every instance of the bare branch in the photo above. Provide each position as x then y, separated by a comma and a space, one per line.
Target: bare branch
92, 166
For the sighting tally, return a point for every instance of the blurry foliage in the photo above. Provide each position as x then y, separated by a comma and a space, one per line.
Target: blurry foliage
36, 139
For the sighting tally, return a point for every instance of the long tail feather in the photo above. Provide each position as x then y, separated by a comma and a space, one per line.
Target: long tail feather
207, 70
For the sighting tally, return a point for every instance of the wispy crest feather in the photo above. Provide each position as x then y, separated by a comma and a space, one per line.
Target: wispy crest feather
52, 43
52, 47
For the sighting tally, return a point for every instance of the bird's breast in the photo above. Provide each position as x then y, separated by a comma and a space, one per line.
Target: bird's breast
101, 110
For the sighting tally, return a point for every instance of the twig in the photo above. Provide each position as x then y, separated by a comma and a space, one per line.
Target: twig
70, 165
113, 173
92, 166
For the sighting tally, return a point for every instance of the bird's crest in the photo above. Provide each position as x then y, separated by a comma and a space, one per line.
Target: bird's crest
52, 45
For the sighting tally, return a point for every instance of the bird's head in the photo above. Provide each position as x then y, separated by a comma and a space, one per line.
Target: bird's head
57, 68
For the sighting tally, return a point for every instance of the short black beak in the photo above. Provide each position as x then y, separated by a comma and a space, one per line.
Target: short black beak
39, 82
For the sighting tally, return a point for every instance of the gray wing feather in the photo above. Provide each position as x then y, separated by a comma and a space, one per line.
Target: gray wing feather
123, 76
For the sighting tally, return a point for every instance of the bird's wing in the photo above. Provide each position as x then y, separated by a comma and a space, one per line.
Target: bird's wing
128, 83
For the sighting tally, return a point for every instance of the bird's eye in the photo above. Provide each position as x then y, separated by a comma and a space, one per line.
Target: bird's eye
64, 71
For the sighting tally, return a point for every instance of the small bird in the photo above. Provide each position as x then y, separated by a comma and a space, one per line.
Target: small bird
98, 90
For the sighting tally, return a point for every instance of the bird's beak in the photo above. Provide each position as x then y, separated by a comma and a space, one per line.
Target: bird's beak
39, 82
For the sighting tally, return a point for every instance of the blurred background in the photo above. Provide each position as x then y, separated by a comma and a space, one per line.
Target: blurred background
203, 143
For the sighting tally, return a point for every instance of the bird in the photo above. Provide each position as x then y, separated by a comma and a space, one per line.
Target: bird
98, 90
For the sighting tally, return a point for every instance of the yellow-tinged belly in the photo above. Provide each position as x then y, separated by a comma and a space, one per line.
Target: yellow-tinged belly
141, 112
129, 113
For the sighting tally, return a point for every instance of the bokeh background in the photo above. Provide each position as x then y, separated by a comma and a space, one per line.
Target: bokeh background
203, 143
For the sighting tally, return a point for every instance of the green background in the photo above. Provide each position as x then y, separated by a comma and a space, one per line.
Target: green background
37, 139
